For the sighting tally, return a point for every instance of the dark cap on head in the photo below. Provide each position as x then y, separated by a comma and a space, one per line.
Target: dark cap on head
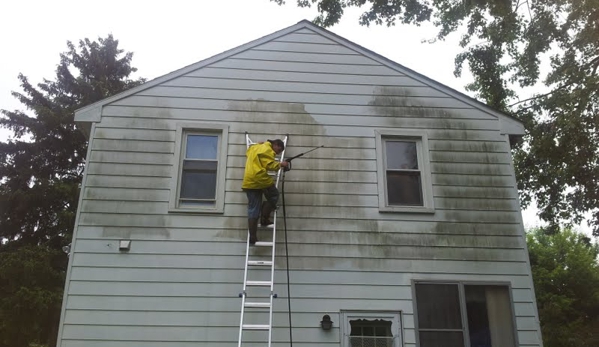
277, 142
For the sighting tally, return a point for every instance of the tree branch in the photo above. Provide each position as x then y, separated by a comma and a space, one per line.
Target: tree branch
596, 63
533, 98
542, 95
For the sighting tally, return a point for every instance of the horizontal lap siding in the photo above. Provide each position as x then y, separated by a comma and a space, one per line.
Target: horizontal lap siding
178, 284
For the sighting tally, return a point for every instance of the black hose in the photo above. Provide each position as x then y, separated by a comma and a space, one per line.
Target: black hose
287, 260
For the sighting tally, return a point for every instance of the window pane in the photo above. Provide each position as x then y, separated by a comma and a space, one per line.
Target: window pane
438, 306
478, 321
441, 339
490, 321
201, 147
370, 333
198, 185
404, 188
200, 165
401, 155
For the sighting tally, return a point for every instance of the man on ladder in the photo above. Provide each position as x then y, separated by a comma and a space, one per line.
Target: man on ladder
257, 182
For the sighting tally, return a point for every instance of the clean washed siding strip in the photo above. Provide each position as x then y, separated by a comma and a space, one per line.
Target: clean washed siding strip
323, 58
303, 77
204, 334
316, 67
301, 37
519, 283
174, 318
305, 47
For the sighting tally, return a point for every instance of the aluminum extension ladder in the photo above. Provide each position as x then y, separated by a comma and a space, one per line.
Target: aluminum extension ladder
260, 305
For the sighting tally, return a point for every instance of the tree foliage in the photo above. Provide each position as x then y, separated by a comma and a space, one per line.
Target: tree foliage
504, 43
31, 287
566, 278
41, 166
40, 170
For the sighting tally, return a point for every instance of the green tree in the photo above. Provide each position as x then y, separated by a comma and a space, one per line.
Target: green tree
504, 42
31, 287
41, 168
566, 278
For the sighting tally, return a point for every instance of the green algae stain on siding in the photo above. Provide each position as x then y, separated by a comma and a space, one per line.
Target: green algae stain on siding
489, 174
399, 102
278, 118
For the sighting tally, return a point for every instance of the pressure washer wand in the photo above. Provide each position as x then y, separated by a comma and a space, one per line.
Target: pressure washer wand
299, 155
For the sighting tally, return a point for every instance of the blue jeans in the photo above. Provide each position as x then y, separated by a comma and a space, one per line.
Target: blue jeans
255, 199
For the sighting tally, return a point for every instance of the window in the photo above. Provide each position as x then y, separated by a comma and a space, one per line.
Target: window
198, 180
403, 171
371, 329
461, 315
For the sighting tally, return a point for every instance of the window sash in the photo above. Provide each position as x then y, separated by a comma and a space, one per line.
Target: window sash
205, 169
393, 162
497, 302
207, 148
404, 194
404, 188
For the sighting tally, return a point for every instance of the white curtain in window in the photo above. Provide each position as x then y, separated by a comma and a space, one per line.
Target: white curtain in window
500, 316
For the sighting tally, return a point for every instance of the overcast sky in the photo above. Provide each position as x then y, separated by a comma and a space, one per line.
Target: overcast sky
167, 35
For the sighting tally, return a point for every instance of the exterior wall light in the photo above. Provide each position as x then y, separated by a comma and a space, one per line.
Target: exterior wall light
326, 323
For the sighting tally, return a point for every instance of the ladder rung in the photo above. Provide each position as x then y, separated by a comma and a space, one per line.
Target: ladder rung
271, 226
257, 304
263, 244
256, 326
258, 283
260, 262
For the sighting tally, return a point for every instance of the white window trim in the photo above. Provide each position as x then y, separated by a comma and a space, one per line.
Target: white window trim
421, 138
393, 316
223, 131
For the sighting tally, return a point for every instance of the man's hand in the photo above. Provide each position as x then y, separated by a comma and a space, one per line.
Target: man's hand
284, 164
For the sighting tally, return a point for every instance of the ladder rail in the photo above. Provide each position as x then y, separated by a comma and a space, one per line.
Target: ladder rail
274, 235
243, 293
272, 295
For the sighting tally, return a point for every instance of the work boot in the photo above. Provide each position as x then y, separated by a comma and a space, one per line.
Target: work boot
253, 230
265, 215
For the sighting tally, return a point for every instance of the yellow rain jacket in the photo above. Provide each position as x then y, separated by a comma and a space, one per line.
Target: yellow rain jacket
260, 160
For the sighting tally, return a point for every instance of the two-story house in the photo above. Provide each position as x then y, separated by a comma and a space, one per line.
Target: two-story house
405, 229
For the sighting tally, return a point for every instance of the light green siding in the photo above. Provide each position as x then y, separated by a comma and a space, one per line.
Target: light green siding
178, 284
